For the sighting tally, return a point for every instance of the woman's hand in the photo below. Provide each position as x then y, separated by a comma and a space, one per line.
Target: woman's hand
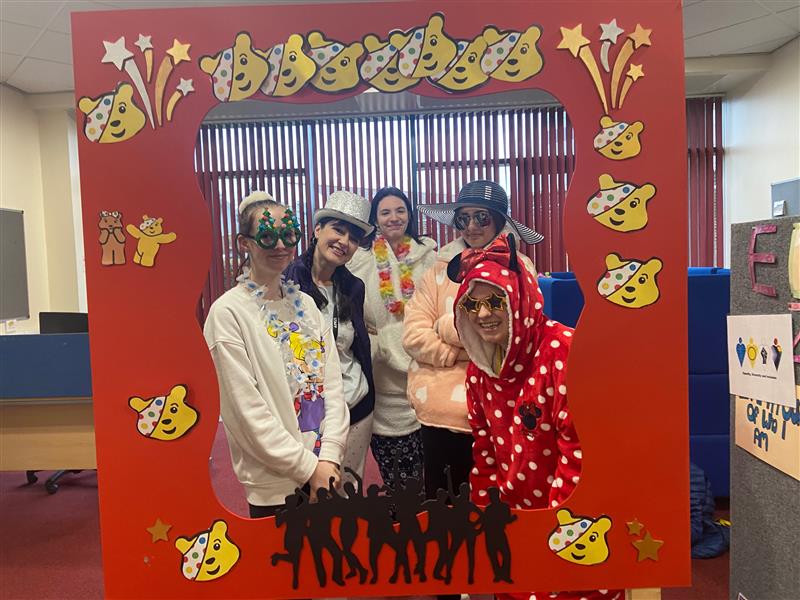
322, 476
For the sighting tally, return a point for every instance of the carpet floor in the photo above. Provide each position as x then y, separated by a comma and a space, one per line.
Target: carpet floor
50, 544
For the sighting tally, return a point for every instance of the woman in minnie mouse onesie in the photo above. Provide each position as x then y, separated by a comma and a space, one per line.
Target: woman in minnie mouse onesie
525, 441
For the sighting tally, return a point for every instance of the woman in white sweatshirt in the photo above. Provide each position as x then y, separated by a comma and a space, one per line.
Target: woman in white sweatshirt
391, 268
280, 385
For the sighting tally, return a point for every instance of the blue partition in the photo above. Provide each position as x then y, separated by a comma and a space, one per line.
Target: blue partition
45, 366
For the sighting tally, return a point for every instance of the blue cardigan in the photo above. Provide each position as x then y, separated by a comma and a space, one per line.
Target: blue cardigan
352, 287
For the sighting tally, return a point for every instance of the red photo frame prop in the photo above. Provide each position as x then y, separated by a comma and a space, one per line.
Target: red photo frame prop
144, 82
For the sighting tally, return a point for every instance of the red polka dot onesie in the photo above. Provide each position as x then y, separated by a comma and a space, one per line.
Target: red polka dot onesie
525, 441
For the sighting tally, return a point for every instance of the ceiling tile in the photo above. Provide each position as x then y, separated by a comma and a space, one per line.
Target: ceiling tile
732, 40
766, 46
35, 14
36, 76
779, 5
17, 39
791, 18
62, 22
8, 62
53, 46
716, 14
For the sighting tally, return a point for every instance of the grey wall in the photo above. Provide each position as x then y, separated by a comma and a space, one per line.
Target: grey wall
13, 271
765, 503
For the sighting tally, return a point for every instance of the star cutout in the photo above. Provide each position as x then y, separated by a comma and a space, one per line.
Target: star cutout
116, 53
634, 527
185, 86
572, 39
144, 42
635, 72
647, 547
179, 52
159, 530
641, 36
611, 31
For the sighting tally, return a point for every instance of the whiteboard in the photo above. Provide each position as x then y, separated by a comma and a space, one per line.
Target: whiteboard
13, 270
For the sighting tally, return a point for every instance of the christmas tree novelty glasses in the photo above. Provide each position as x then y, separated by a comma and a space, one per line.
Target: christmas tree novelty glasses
288, 231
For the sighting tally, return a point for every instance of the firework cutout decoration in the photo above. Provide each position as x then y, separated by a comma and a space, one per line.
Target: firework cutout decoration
580, 47
122, 104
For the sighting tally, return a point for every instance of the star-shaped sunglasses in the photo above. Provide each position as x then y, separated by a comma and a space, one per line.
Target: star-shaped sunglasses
473, 305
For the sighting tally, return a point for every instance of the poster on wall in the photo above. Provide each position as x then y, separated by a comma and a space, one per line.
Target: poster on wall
770, 432
760, 364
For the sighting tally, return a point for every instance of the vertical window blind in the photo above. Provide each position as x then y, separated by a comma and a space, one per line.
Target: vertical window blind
528, 151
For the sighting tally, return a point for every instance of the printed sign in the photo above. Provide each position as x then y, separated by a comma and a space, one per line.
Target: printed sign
760, 364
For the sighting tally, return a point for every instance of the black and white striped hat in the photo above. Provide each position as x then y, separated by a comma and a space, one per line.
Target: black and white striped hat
480, 194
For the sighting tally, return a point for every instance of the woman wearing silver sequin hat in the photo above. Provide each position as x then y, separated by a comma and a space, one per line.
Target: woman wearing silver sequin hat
339, 228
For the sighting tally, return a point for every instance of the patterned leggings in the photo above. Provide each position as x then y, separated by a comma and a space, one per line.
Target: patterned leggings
409, 450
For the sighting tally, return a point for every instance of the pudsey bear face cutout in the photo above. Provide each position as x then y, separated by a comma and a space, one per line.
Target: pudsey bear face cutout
425, 51
580, 540
112, 117
629, 282
236, 72
292, 68
209, 554
512, 56
337, 64
164, 418
618, 141
380, 67
465, 72
620, 206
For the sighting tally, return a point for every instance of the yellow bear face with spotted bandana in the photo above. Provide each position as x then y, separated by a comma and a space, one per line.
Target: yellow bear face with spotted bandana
580, 540
425, 51
629, 282
112, 117
164, 418
465, 72
209, 554
337, 63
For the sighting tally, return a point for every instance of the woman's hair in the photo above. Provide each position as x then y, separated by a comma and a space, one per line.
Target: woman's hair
343, 301
411, 228
247, 219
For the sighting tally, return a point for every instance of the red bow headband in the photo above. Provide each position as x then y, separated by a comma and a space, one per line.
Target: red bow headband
503, 251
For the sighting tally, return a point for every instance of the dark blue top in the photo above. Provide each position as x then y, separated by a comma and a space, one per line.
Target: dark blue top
352, 287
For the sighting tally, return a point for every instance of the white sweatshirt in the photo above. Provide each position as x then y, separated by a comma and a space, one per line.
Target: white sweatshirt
270, 455
394, 416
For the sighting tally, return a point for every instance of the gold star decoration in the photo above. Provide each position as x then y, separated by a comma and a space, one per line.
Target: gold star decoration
572, 39
647, 547
158, 531
634, 527
179, 52
635, 72
640, 36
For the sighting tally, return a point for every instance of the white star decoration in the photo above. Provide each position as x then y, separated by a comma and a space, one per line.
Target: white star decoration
185, 86
116, 53
611, 31
144, 42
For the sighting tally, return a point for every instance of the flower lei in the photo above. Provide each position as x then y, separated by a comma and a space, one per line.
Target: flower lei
385, 287
294, 344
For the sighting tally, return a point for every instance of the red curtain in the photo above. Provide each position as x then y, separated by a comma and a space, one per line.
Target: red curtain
705, 156
528, 151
